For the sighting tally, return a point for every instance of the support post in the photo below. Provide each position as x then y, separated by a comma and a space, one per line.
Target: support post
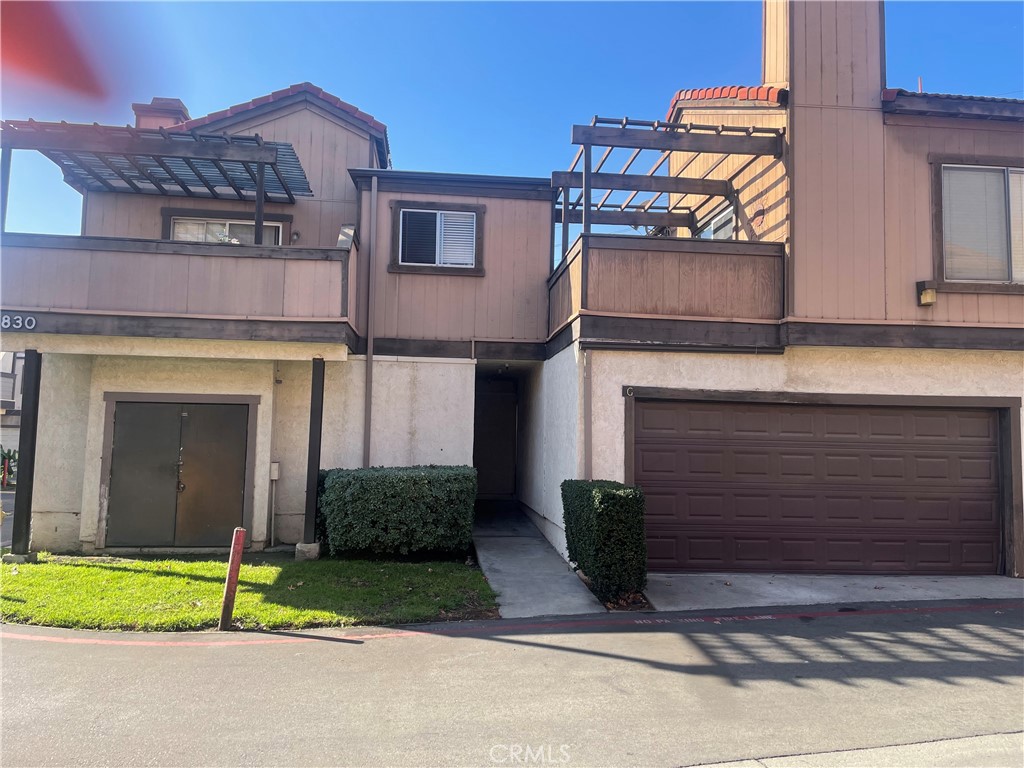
26, 452
316, 419
5, 185
227, 606
565, 223
261, 178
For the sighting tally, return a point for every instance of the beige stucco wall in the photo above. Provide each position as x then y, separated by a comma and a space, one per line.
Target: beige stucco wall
60, 445
341, 439
800, 369
422, 414
551, 433
184, 376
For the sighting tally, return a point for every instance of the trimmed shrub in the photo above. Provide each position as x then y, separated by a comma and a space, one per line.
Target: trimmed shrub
399, 510
604, 532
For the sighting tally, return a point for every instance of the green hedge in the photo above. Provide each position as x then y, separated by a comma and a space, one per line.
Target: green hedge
399, 510
604, 531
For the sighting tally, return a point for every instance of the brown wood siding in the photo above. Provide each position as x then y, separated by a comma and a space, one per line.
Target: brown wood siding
508, 302
565, 291
765, 487
775, 43
172, 284
326, 150
684, 284
909, 212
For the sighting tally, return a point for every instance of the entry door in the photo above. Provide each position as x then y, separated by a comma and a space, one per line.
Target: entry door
177, 474
494, 438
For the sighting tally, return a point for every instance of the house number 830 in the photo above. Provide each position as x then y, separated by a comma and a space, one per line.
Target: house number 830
17, 322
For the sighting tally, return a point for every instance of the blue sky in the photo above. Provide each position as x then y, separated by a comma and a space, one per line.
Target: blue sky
467, 87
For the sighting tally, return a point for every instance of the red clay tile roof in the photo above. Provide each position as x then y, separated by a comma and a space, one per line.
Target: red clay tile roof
735, 92
375, 125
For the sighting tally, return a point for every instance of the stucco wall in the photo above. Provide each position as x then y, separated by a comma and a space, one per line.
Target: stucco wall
184, 376
60, 445
422, 411
551, 435
341, 439
800, 369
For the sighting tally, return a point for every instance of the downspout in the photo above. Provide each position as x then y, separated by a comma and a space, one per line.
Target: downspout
371, 240
588, 414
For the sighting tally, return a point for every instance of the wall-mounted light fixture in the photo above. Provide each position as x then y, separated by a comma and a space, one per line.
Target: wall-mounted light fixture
296, 235
926, 294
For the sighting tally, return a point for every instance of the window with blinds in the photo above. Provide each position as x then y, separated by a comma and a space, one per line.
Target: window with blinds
983, 223
438, 238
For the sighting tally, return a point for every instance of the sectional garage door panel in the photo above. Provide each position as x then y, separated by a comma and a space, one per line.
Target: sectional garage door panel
735, 486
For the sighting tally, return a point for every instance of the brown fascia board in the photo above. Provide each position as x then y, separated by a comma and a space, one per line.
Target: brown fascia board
429, 182
901, 102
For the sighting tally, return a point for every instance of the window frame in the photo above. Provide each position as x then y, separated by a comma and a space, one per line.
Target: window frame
282, 220
726, 209
941, 284
397, 265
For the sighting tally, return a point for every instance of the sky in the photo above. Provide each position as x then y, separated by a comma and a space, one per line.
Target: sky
474, 87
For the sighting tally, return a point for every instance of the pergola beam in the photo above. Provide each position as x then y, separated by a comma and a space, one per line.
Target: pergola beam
677, 141
633, 218
641, 183
56, 141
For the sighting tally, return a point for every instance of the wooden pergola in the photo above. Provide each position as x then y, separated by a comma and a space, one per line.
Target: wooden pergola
102, 158
655, 207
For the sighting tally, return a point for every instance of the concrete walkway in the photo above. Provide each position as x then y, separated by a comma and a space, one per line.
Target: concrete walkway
702, 591
531, 579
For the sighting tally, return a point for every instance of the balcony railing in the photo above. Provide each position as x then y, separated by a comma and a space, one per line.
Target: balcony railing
629, 275
89, 276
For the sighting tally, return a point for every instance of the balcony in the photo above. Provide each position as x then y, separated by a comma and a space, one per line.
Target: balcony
657, 287
121, 286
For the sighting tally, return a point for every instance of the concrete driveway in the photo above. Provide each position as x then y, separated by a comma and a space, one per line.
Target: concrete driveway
889, 684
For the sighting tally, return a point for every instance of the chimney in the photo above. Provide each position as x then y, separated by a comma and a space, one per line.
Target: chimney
829, 53
160, 113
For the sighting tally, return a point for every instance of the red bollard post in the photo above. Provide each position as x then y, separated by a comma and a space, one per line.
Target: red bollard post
231, 583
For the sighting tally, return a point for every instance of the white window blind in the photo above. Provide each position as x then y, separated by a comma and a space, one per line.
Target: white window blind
974, 213
458, 239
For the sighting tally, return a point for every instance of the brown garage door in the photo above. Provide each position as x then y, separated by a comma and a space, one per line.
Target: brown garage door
765, 487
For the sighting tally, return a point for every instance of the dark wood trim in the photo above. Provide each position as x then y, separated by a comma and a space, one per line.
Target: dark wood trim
686, 245
423, 348
958, 286
819, 398
677, 141
629, 469
465, 349
394, 262
626, 218
133, 245
895, 101
632, 181
795, 333
111, 399
316, 422
167, 214
1012, 484
339, 332
22, 526
465, 185
148, 146
942, 285
597, 331
559, 341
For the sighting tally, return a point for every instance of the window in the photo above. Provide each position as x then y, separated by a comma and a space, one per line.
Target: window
222, 231
982, 224
441, 238
720, 227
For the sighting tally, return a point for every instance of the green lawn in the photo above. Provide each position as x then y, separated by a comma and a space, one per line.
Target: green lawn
273, 593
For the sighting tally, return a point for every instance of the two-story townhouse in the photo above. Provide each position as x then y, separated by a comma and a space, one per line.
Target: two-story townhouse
809, 353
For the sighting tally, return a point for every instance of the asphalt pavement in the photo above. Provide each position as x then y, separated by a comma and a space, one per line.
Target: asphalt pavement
874, 684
